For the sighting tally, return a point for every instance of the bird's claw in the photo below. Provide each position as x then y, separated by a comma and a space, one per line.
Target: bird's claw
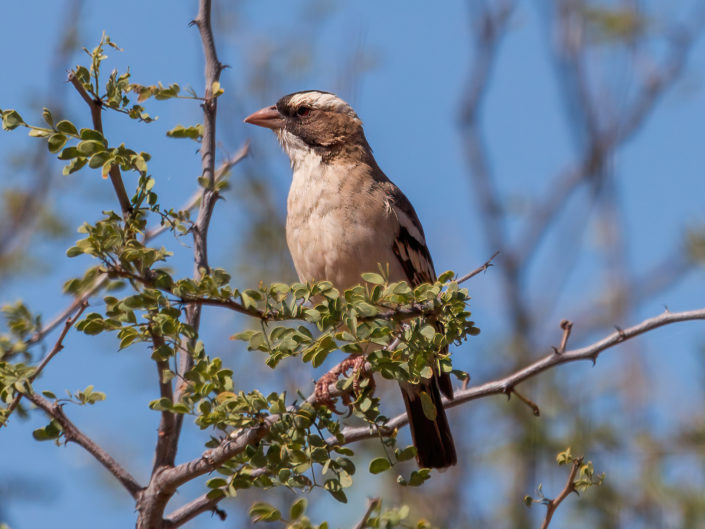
322, 388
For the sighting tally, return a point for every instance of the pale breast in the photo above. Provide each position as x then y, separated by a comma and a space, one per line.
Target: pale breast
337, 227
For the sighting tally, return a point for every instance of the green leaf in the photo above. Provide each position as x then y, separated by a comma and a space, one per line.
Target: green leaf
297, 508
405, 454
88, 147
335, 489
263, 512
74, 251
194, 132
365, 309
74, 165
38, 133
69, 153
46, 114
67, 127
375, 279
11, 120
50, 431
56, 142
90, 134
446, 276
429, 410
216, 483
99, 159
379, 465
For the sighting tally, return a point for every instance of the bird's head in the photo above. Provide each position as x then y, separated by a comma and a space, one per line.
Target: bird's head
312, 121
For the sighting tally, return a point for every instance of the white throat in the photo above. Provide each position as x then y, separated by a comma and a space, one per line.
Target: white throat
302, 156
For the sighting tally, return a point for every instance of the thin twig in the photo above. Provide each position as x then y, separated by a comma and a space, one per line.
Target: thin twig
479, 269
115, 177
567, 490
499, 386
71, 433
240, 440
567, 327
153, 501
163, 454
58, 346
526, 400
150, 234
195, 199
192, 509
372, 504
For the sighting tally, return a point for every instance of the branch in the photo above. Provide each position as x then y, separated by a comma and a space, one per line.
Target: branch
152, 502
192, 509
504, 385
238, 441
195, 199
209, 195
191, 203
58, 346
371, 506
479, 269
164, 453
115, 177
567, 490
71, 433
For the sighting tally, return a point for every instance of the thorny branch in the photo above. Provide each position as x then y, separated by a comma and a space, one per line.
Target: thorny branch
209, 195
152, 233
502, 385
58, 346
240, 440
115, 177
567, 490
71, 433
153, 500
372, 504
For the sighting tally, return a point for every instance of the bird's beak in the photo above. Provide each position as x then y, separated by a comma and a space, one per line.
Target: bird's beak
268, 117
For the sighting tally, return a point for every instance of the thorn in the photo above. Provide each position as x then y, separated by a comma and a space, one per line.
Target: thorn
567, 327
534, 408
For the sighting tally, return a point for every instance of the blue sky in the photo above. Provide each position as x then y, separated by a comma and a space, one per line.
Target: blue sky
409, 99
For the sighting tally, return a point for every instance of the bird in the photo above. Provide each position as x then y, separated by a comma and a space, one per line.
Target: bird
345, 218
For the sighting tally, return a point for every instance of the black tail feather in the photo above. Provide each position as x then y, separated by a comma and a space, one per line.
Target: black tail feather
432, 438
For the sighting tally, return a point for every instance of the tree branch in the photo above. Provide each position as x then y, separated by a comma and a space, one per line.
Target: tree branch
152, 502
238, 441
192, 509
115, 177
209, 195
195, 199
164, 453
71, 433
373, 503
58, 346
150, 234
567, 490
503, 385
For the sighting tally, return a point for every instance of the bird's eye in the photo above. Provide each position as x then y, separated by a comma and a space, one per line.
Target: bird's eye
303, 111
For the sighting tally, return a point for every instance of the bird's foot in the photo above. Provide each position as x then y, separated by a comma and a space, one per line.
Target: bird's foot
357, 364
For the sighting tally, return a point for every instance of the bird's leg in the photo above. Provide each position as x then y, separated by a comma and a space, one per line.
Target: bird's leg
355, 362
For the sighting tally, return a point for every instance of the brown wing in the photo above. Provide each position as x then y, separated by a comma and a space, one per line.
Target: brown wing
410, 248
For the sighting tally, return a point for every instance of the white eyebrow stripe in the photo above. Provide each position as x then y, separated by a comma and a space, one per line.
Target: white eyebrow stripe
323, 101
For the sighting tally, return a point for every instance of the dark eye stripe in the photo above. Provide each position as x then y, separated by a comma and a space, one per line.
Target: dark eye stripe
303, 111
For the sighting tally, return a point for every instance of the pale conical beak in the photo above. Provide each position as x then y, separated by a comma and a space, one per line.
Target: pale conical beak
268, 117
